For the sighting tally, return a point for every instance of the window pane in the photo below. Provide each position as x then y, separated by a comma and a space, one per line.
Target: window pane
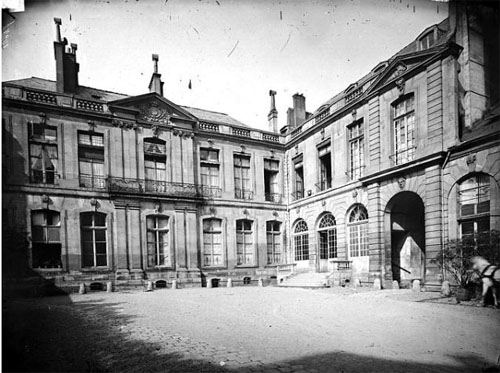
100, 220
100, 235
86, 219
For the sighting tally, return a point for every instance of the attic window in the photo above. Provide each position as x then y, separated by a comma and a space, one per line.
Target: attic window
96, 96
380, 67
427, 40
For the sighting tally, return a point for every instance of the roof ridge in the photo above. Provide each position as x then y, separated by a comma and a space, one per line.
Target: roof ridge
197, 108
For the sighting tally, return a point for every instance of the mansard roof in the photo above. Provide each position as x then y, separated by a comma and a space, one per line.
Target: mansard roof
114, 98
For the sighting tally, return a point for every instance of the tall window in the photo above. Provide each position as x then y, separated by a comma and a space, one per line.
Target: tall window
358, 231
327, 237
356, 150
209, 165
273, 231
403, 130
212, 243
45, 237
325, 167
301, 241
158, 241
244, 242
271, 172
43, 153
474, 203
94, 249
155, 164
298, 193
242, 189
91, 159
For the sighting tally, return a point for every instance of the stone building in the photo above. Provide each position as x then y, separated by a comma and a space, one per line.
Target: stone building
109, 187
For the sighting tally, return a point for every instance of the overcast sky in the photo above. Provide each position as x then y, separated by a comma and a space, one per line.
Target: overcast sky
233, 52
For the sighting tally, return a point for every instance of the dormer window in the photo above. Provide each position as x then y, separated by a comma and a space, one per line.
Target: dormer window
427, 40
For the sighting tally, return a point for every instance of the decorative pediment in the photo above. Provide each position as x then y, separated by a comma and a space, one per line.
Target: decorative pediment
153, 108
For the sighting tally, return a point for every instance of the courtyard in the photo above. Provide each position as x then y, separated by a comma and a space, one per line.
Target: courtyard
249, 329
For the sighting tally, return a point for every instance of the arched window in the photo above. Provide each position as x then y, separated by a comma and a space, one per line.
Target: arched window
327, 231
358, 231
273, 232
45, 238
301, 240
212, 242
244, 242
155, 164
94, 248
474, 210
158, 241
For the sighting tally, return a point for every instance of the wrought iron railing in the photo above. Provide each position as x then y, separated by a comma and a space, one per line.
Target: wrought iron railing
403, 156
273, 258
209, 191
299, 194
243, 194
273, 197
324, 185
93, 182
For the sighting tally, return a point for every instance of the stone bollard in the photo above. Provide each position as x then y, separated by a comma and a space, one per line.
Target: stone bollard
445, 289
395, 285
261, 283
81, 289
174, 284
209, 283
109, 287
229, 283
376, 284
149, 286
416, 285
357, 283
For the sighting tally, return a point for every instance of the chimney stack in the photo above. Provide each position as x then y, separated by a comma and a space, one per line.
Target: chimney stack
297, 115
66, 66
273, 113
156, 85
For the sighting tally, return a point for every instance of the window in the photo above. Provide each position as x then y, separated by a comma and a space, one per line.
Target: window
94, 250
427, 40
327, 237
43, 153
158, 241
299, 180
209, 165
358, 232
273, 229
356, 150
212, 243
474, 210
271, 172
301, 241
242, 177
155, 164
325, 168
45, 237
403, 130
91, 160
244, 242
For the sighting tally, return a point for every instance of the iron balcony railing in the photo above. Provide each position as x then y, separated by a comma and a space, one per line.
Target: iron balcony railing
140, 186
93, 181
299, 194
324, 185
273, 197
243, 194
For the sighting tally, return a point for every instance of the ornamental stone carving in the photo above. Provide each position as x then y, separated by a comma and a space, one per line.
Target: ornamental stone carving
127, 124
152, 112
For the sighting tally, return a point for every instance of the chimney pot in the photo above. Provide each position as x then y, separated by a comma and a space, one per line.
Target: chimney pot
273, 113
58, 23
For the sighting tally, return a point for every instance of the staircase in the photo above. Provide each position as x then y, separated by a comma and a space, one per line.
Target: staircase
308, 280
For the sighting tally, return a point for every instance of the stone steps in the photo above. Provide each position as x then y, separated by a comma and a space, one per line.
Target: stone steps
306, 280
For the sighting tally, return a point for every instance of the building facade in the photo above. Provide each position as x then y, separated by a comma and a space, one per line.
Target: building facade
108, 187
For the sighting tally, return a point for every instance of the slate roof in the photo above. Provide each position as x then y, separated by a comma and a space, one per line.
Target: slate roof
213, 116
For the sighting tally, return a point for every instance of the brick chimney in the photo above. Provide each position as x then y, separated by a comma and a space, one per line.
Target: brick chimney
66, 66
272, 117
297, 115
156, 85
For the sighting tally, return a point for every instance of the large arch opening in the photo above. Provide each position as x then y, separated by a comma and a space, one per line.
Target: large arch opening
405, 237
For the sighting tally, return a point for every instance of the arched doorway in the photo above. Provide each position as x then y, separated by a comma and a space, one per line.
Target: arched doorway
405, 237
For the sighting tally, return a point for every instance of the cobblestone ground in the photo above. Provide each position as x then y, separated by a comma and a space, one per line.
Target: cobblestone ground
248, 329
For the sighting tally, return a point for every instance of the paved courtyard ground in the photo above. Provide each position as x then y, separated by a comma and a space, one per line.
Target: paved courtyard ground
248, 329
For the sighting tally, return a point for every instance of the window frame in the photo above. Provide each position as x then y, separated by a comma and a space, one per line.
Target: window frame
244, 234
408, 153
213, 232
93, 228
44, 141
156, 230
96, 180
331, 249
301, 241
45, 230
355, 173
360, 248
245, 191
211, 165
275, 237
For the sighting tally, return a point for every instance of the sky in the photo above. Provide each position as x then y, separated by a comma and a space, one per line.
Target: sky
232, 51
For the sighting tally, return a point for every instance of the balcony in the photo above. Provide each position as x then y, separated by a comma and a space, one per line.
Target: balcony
210, 127
324, 185
243, 194
273, 197
93, 182
404, 155
299, 194
209, 191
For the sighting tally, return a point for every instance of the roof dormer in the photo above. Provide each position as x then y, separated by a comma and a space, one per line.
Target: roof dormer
427, 38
